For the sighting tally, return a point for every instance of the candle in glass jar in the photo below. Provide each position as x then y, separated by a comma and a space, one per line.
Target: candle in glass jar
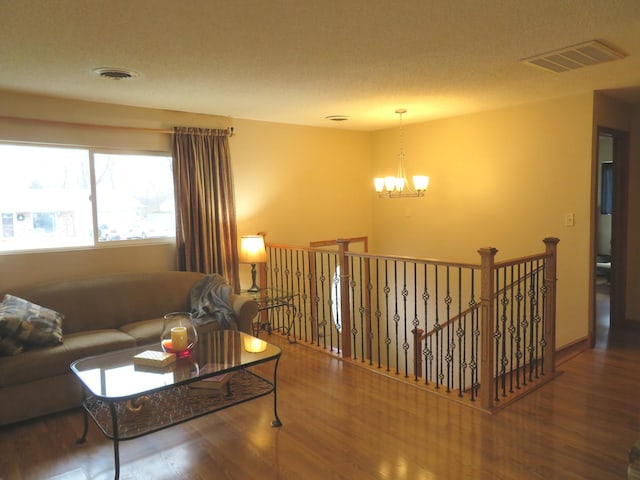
179, 338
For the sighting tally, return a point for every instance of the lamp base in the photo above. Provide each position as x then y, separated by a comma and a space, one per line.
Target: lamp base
254, 286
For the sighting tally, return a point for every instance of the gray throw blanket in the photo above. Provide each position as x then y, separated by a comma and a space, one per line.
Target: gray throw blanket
211, 302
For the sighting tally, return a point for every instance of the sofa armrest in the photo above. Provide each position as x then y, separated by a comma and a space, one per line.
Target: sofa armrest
246, 310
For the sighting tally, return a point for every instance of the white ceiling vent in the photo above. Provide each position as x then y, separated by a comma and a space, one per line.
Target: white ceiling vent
577, 56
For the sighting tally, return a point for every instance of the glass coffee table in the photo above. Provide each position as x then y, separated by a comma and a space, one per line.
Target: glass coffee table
127, 401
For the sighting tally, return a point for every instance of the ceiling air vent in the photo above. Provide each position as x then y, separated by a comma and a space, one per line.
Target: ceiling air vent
115, 73
577, 56
337, 118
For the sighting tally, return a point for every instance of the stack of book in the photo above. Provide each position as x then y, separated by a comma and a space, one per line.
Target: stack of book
217, 382
151, 358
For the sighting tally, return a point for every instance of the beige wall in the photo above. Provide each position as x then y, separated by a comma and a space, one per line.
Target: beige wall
296, 183
504, 179
29, 268
300, 184
76, 113
633, 221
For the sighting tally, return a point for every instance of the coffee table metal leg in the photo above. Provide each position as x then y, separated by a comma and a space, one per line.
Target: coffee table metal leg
85, 430
276, 422
116, 452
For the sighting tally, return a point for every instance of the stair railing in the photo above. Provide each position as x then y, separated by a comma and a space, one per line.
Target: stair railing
485, 332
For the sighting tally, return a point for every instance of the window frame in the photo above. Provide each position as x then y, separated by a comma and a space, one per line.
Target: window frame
97, 243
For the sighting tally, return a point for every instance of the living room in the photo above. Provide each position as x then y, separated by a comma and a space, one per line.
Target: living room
495, 197
503, 177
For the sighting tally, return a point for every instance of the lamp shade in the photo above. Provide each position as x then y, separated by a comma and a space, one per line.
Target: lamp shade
420, 182
252, 249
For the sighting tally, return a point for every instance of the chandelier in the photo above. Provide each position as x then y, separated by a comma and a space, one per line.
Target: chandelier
397, 187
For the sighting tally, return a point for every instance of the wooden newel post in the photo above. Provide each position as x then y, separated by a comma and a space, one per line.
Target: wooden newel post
345, 309
487, 326
551, 262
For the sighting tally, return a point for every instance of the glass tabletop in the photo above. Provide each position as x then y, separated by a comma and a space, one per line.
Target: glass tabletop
115, 376
269, 294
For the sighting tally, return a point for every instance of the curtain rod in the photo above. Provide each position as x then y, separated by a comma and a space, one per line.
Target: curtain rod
92, 125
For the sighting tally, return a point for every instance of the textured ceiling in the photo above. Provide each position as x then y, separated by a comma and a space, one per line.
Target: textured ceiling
298, 61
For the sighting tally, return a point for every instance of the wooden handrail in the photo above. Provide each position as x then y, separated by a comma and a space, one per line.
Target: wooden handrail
328, 243
516, 261
430, 261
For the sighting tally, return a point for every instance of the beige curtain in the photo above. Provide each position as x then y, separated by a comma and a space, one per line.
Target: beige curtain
206, 234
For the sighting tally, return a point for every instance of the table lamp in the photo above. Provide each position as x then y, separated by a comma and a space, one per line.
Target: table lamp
252, 250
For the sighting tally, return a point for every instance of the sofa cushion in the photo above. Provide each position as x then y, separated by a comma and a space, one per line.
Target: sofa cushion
29, 323
145, 331
110, 301
41, 362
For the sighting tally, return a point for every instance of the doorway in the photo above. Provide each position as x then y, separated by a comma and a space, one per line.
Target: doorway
610, 238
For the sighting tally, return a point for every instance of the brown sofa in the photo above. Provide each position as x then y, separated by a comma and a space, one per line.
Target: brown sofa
101, 314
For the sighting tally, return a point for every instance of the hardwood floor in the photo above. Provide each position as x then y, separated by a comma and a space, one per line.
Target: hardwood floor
342, 422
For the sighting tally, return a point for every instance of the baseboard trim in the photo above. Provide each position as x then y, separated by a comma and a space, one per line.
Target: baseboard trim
572, 349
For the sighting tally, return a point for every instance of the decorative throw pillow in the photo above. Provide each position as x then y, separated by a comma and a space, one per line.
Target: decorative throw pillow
29, 323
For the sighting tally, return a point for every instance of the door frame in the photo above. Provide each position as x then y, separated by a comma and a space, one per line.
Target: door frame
618, 230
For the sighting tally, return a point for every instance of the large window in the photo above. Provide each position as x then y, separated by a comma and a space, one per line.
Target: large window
46, 197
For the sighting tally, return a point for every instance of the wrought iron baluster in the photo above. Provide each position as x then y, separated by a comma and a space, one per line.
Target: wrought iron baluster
396, 315
428, 347
503, 333
314, 297
302, 296
354, 330
532, 323
475, 346
519, 299
378, 314
361, 308
387, 291
496, 336
525, 323
539, 315
322, 317
511, 327
450, 345
543, 339
336, 325
369, 326
460, 334
439, 376
405, 341
415, 323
